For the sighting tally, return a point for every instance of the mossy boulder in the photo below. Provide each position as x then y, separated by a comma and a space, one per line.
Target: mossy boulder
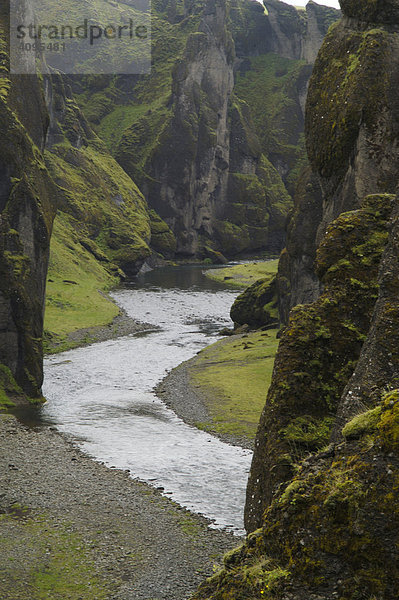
257, 305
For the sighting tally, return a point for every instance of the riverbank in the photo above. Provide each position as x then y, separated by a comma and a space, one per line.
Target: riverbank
73, 528
119, 326
223, 388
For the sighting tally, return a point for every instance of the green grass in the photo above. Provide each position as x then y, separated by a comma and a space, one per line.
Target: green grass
234, 375
43, 560
73, 306
243, 275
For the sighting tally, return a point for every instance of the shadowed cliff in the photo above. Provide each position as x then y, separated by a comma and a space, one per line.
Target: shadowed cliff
322, 493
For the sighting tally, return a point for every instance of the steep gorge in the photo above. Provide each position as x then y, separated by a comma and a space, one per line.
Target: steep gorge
215, 169
215, 162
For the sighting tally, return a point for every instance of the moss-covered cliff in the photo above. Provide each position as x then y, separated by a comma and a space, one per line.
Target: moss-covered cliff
26, 195
318, 351
354, 112
332, 531
213, 136
322, 493
51, 161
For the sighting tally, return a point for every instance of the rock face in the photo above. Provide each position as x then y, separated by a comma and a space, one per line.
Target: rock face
102, 202
318, 351
210, 160
356, 114
324, 479
26, 194
51, 160
191, 164
333, 530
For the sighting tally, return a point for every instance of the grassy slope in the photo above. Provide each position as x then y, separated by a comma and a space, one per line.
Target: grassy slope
243, 275
234, 375
72, 306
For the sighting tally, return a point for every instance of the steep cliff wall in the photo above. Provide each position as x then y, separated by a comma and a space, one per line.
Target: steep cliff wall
52, 161
26, 195
333, 530
195, 134
355, 112
326, 512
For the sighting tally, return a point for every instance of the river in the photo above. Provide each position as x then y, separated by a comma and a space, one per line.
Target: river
102, 396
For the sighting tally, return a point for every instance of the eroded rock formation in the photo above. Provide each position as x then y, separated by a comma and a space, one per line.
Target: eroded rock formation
323, 486
355, 113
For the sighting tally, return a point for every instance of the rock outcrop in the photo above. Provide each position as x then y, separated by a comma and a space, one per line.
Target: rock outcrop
318, 351
355, 112
323, 488
27, 212
51, 161
333, 530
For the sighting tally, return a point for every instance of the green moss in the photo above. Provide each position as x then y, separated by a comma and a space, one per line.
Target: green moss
233, 376
9, 389
388, 426
307, 431
342, 97
243, 275
232, 238
76, 284
257, 305
362, 424
163, 240
269, 89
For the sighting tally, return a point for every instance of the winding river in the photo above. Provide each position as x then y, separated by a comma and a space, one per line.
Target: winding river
102, 396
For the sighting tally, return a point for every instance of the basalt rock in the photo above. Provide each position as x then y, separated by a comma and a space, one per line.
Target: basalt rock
318, 352
257, 305
351, 134
333, 530
194, 135
27, 212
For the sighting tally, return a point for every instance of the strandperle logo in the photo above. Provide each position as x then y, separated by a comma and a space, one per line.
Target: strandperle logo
82, 32
96, 37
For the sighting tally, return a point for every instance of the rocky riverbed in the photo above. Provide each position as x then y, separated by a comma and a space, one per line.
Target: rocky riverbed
72, 528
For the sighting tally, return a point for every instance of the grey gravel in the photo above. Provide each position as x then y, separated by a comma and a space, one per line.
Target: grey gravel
144, 545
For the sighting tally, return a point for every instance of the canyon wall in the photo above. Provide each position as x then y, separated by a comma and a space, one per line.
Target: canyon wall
322, 494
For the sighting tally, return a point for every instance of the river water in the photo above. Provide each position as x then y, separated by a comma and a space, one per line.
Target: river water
102, 396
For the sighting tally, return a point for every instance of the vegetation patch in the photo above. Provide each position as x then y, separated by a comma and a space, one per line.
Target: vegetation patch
76, 287
234, 375
45, 559
243, 275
